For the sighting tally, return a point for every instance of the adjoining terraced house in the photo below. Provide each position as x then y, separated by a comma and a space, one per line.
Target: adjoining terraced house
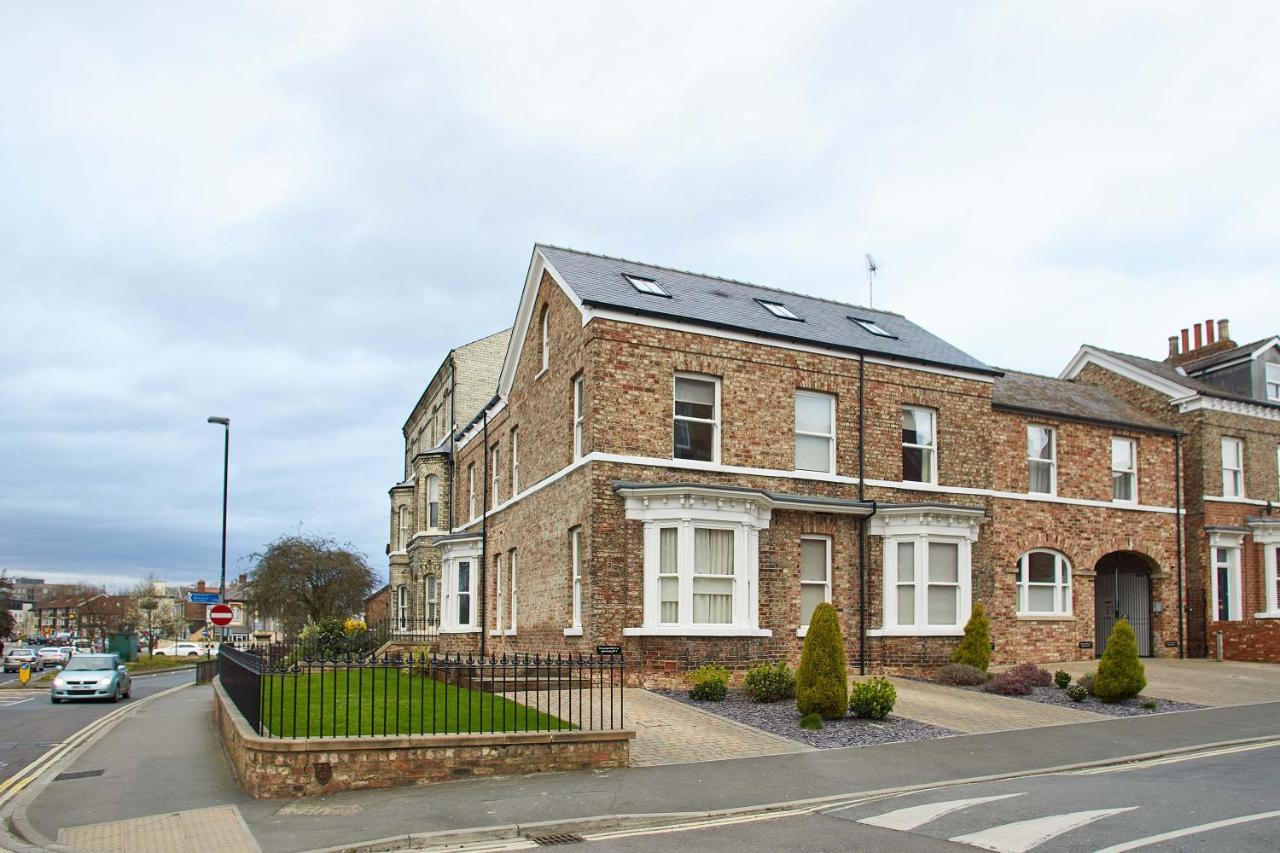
1226, 398
684, 466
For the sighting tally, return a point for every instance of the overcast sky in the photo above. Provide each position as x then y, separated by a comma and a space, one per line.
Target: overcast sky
288, 213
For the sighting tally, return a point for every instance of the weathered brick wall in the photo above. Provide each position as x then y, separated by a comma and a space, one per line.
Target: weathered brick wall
271, 768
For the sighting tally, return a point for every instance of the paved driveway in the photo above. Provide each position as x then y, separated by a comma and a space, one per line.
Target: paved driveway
1200, 681
972, 711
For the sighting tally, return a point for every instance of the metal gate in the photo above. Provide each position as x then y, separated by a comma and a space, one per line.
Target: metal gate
1123, 595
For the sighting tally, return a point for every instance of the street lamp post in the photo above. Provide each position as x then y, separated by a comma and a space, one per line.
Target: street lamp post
226, 452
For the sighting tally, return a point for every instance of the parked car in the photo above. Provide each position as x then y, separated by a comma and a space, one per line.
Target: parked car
188, 650
92, 676
14, 659
52, 656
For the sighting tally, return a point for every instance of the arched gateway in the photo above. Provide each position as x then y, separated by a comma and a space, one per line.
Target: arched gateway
1122, 590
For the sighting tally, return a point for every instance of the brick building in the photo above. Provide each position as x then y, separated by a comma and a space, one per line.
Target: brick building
422, 503
1226, 399
686, 465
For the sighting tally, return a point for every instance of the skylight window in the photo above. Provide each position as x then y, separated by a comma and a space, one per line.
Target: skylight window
777, 309
646, 285
873, 327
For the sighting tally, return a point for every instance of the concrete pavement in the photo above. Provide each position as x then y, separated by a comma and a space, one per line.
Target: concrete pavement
1200, 681
166, 761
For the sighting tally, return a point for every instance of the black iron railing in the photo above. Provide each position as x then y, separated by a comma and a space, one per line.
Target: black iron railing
206, 669
285, 694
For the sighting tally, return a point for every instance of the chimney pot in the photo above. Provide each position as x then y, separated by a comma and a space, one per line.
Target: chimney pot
1186, 340
1222, 331
1199, 333
1208, 331
1173, 345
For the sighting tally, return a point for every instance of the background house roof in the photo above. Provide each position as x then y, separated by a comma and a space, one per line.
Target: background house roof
719, 302
1171, 374
1242, 351
1029, 392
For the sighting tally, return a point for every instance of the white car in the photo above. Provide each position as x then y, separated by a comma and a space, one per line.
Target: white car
185, 650
52, 655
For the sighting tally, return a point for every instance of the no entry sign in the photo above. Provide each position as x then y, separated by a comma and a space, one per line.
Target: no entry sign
221, 615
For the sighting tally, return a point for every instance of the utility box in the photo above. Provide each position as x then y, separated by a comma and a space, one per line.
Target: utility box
125, 645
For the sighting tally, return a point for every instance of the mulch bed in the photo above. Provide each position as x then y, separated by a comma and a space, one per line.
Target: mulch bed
781, 718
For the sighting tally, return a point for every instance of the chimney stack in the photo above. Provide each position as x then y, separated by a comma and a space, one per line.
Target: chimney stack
1208, 332
1222, 331
1207, 341
1173, 346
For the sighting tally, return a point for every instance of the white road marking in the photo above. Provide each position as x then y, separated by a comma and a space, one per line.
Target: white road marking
1190, 830
6, 702
1175, 759
1023, 835
909, 818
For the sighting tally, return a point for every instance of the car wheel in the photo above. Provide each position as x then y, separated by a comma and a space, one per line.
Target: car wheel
115, 697
54, 699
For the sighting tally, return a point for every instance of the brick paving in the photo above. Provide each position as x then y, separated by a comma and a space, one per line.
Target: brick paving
1200, 681
219, 828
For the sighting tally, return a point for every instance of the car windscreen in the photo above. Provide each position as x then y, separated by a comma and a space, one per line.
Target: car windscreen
99, 662
21, 653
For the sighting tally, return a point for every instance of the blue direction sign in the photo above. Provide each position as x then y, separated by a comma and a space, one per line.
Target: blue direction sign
204, 598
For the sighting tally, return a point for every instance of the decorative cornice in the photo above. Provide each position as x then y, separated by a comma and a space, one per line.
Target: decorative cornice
928, 520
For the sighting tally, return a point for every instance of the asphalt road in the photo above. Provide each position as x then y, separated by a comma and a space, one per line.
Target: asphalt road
1221, 801
30, 725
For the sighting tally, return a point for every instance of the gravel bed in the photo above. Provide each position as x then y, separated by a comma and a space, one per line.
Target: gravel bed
781, 718
1055, 695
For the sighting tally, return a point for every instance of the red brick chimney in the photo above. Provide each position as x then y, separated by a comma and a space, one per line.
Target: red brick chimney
1209, 339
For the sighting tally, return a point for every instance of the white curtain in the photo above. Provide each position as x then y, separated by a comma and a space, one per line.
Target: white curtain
944, 583
668, 584
713, 596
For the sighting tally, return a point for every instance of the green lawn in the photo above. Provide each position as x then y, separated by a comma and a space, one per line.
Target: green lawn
388, 701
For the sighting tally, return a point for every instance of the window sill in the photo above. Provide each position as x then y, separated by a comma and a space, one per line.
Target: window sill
917, 632
459, 630
802, 631
541, 373
696, 631
573, 632
1046, 617
1266, 616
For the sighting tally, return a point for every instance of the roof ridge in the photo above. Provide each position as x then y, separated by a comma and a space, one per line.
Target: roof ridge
720, 278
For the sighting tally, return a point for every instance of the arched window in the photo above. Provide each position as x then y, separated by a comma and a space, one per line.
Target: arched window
546, 338
433, 501
1044, 584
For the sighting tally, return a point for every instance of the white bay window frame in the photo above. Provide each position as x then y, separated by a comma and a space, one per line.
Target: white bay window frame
459, 609
920, 527
1267, 535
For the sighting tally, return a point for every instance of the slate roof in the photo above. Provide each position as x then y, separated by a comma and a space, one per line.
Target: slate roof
1171, 373
1028, 392
1225, 356
724, 303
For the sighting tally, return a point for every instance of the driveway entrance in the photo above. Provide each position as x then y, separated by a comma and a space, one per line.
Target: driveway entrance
1122, 590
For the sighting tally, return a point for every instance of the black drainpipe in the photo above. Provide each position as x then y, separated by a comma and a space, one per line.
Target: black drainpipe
862, 525
1177, 482
453, 426
484, 539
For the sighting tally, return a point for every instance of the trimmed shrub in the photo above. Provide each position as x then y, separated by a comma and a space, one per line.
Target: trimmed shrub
1077, 693
1010, 683
975, 648
1032, 674
1149, 705
811, 722
1062, 678
708, 683
961, 674
771, 682
873, 699
1120, 672
1086, 681
822, 683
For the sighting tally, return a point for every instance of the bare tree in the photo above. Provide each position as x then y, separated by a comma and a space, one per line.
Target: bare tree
301, 579
6, 618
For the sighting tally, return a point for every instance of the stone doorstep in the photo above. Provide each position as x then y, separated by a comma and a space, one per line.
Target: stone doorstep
373, 742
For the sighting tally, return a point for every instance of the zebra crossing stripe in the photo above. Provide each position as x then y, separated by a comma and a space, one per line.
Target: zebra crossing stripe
905, 820
1024, 835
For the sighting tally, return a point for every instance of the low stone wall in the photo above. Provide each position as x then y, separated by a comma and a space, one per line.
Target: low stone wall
269, 768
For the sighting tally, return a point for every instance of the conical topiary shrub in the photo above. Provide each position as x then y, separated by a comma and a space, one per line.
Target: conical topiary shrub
975, 648
1120, 672
822, 685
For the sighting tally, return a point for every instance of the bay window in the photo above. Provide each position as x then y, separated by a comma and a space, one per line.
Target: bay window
403, 541
919, 445
1232, 468
1124, 470
696, 418
1271, 578
713, 576
402, 607
433, 601
433, 502
815, 576
815, 432
459, 561
1042, 461
927, 554
1044, 584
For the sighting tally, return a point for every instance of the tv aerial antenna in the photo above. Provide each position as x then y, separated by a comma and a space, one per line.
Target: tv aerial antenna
871, 280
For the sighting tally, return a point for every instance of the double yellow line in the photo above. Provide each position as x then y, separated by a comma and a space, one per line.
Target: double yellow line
10, 787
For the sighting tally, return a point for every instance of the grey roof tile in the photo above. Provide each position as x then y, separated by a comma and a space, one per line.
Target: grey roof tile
1172, 374
1224, 356
724, 303
1028, 392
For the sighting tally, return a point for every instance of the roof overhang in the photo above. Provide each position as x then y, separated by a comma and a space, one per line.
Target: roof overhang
711, 495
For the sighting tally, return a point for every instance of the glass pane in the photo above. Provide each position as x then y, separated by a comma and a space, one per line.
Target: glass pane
1041, 568
1041, 477
464, 577
464, 608
1040, 599
1230, 453
906, 605
914, 465
1039, 443
813, 560
813, 453
811, 595
694, 440
943, 601
1121, 454
917, 427
712, 601
813, 413
695, 398
434, 510
1224, 596
944, 562
1121, 486
712, 551
667, 539
906, 562
1222, 556
668, 597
